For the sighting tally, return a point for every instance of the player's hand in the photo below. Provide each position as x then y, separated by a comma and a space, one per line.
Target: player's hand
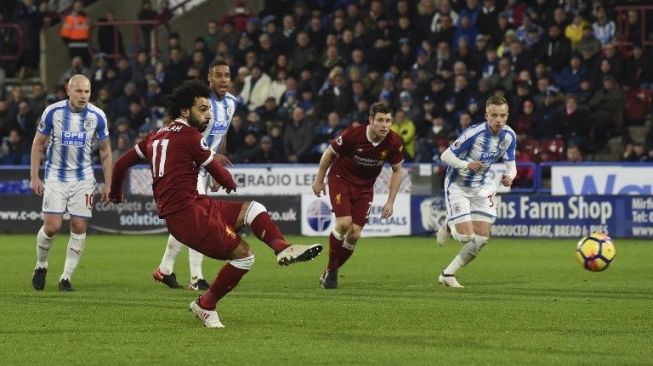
215, 186
106, 191
116, 198
474, 166
506, 181
387, 211
229, 189
37, 186
319, 188
223, 160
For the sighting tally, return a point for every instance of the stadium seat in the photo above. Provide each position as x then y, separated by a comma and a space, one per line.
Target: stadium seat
637, 106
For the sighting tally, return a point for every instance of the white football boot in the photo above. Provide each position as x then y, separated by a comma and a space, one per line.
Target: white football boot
298, 253
443, 234
449, 280
210, 318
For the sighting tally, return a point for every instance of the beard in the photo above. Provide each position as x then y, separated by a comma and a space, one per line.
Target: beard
197, 123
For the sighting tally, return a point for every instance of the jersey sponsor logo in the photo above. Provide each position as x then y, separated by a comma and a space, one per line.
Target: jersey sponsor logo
204, 145
74, 139
219, 128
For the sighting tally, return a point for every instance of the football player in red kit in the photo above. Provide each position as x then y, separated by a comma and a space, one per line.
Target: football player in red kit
175, 153
356, 159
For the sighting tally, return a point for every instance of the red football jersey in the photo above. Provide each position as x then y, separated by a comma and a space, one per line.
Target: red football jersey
175, 153
359, 161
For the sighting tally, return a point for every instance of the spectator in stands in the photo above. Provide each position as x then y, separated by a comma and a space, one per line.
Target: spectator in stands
121, 146
13, 149
298, 138
604, 28
606, 112
574, 31
405, 128
76, 34
146, 13
175, 71
256, 89
574, 123
109, 36
637, 70
554, 49
30, 20
569, 78
546, 125
25, 119
76, 67
523, 125
37, 100
266, 154
634, 152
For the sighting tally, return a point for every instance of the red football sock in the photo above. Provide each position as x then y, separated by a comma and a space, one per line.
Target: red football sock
227, 279
344, 255
268, 232
335, 246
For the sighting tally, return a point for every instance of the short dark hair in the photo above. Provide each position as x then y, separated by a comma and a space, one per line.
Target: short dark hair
495, 100
215, 63
183, 97
379, 108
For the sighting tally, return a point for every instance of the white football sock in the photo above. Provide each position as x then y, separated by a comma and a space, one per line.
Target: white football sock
173, 248
195, 260
73, 254
467, 253
43, 245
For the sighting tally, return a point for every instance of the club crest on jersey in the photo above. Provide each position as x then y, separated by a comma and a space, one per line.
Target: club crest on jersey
74, 139
88, 124
204, 145
230, 232
383, 154
338, 199
503, 145
456, 208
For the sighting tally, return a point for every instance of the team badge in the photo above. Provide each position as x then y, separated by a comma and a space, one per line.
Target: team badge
503, 145
204, 145
339, 140
338, 199
383, 154
456, 208
88, 124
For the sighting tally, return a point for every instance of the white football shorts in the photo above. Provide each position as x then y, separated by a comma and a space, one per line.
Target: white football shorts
76, 198
470, 204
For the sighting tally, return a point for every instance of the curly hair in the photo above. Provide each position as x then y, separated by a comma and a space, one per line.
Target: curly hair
183, 97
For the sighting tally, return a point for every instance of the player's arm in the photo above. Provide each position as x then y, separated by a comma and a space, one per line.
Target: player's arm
105, 159
395, 180
203, 155
221, 157
326, 160
452, 160
38, 144
511, 166
130, 158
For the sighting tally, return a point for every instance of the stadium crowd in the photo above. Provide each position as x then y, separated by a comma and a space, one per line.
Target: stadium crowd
305, 70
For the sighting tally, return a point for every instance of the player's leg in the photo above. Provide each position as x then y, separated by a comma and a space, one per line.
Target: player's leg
195, 258
44, 239
360, 211
256, 216
460, 221
80, 206
240, 262
164, 273
53, 207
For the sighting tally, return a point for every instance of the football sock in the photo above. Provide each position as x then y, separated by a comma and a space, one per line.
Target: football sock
345, 252
173, 248
227, 279
43, 245
73, 254
195, 261
335, 246
268, 232
464, 256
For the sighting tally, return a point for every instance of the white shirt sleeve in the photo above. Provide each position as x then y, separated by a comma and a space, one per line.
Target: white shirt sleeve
452, 160
511, 168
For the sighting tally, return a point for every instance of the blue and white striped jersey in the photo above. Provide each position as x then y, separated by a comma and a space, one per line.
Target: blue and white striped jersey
221, 113
478, 143
69, 155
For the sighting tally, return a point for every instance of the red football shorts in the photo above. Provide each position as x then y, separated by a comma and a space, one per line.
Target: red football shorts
350, 200
207, 226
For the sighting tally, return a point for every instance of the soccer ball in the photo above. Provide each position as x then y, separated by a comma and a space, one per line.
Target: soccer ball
595, 252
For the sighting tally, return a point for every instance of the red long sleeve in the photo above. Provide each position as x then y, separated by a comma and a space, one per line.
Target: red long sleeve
221, 175
122, 165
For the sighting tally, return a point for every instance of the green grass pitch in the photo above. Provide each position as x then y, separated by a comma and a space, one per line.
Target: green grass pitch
526, 302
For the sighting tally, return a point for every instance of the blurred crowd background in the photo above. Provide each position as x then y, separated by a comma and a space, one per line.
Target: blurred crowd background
577, 74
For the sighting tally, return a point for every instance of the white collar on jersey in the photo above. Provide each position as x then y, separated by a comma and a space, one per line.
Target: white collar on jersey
182, 120
367, 134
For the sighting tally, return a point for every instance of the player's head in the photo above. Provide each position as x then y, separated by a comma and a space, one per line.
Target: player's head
380, 120
219, 77
191, 102
79, 91
496, 113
